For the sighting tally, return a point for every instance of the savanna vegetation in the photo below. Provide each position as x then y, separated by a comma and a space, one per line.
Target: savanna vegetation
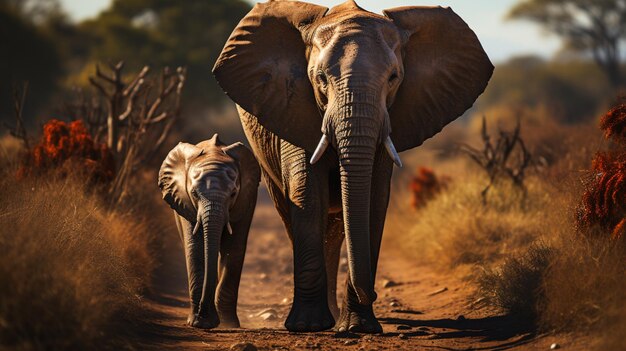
79, 241
550, 252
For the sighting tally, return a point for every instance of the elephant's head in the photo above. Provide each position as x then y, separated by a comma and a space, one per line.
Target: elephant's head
209, 184
357, 81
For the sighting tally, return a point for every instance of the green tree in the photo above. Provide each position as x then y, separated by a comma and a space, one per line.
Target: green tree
28, 54
594, 26
187, 33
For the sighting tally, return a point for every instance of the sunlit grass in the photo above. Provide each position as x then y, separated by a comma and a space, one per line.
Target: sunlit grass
71, 272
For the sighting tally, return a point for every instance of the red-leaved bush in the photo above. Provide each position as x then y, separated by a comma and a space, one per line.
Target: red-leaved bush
69, 147
604, 200
425, 185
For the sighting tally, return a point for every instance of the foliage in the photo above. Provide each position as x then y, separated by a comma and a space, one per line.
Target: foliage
613, 124
69, 147
596, 26
604, 201
34, 11
167, 33
425, 185
517, 286
28, 54
570, 91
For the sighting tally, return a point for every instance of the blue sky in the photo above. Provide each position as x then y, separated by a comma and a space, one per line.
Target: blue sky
501, 38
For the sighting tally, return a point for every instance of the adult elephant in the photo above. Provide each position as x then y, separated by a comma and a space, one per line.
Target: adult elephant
307, 79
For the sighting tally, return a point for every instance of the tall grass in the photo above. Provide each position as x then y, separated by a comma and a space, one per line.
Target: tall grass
525, 255
456, 228
585, 289
71, 272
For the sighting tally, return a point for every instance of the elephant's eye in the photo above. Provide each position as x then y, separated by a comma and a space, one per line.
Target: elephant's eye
322, 78
393, 78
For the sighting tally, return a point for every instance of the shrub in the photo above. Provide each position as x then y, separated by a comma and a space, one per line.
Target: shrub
70, 272
425, 185
517, 287
455, 228
603, 204
70, 148
584, 289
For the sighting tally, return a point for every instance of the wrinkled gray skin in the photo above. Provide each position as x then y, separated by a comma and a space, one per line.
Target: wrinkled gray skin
212, 188
323, 96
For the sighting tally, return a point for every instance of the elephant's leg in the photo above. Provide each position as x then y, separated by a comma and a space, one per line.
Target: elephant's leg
194, 258
232, 254
354, 316
332, 251
307, 198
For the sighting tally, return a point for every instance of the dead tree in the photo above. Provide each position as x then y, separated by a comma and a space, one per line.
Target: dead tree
497, 159
139, 116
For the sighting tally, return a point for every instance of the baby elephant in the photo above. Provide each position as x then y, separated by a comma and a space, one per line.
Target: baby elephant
212, 187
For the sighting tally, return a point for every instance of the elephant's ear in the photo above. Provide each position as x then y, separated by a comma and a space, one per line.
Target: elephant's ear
173, 179
446, 69
249, 177
263, 68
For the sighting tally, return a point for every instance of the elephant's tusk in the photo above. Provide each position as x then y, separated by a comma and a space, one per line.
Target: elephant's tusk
196, 229
229, 229
319, 151
198, 225
391, 150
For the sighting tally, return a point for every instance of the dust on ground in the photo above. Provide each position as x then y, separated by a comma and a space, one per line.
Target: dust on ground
418, 306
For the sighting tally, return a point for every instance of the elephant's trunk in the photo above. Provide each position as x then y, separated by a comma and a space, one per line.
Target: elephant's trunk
357, 139
213, 216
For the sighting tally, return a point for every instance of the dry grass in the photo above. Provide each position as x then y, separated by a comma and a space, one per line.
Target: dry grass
517, 286
70, 271
577, 284
534, 261
584, 289
456, 228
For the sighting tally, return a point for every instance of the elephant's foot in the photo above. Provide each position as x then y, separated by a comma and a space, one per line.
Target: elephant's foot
309, 317
203, 319
229, 320
358, 318
209, 322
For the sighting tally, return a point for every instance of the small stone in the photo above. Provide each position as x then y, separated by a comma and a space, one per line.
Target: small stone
286, 301
263, 277
243, 346
403, 336
555, 346
350, 342
460, 318
267, 310
387, 283
394, 304
438, 291
403, 327
268, 314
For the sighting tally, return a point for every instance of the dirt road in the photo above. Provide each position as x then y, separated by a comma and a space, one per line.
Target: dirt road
418, 307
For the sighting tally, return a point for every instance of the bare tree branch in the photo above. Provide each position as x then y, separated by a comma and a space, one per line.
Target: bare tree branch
497, 160
139, 116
